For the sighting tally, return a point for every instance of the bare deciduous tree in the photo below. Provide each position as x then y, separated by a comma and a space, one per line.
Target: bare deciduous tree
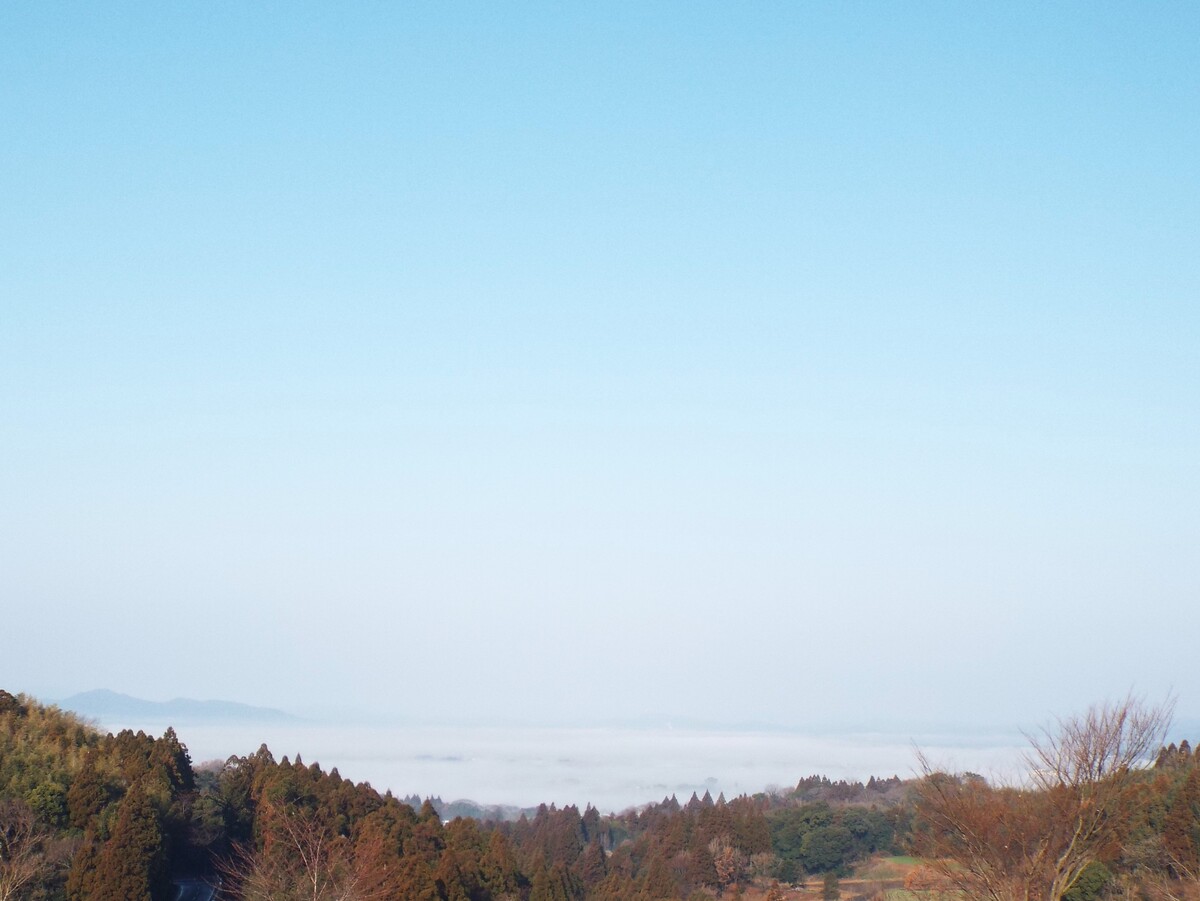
28, 852
301, 860
1030, 843
728, 861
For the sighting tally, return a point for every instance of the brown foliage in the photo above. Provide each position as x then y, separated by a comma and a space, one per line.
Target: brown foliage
302, 860
1032, 842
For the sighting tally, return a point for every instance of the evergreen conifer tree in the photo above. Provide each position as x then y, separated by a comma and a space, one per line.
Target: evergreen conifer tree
133, 863
1181, 827
87, 795
81, 879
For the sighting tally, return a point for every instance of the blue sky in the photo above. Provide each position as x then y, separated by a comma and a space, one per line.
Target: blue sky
797, 363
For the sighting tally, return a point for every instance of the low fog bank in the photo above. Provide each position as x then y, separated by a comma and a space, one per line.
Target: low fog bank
612, 769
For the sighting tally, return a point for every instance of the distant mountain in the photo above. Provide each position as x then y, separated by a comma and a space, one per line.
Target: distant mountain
113, 707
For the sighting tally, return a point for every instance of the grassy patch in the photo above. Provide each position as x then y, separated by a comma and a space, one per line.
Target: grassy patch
886, 869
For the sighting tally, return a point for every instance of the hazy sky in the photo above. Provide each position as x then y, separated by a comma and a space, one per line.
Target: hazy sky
801, 363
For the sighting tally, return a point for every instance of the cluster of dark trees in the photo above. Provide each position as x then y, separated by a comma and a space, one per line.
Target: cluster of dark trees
86, 816
819, 838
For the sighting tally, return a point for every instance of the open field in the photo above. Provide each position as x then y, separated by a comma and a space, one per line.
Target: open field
873, 878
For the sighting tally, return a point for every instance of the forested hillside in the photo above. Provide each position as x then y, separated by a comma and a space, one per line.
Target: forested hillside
91, 817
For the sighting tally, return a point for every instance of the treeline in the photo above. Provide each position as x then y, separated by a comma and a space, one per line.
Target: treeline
92, 817
108, 817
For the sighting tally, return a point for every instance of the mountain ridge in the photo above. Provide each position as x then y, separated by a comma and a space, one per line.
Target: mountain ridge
111, 706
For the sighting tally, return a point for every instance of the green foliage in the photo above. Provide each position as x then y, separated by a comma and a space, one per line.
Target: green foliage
133, 864
816, 838
124, 801
826, 848
89, 794
41, 748
49, 801
1090, 884
136, 812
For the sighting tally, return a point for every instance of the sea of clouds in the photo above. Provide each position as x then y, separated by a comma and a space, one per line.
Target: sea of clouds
612, 768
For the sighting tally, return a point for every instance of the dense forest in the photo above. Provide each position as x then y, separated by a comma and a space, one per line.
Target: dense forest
87, 816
